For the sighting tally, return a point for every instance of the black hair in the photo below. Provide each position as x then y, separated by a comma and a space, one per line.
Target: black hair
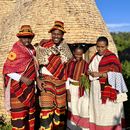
78, 46
26, 37
104, 39
57, 29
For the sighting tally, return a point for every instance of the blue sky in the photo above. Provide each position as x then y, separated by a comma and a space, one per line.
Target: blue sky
116, 14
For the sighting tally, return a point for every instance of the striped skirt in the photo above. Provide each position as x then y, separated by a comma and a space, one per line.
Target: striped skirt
52, 103
22, 117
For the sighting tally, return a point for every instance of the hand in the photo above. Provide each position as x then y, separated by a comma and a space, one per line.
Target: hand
26, 80
94, 74
41, 84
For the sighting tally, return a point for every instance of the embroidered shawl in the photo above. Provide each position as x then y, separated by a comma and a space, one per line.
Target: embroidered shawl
109, 62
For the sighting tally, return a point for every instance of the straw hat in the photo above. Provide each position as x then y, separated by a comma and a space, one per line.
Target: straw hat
58, 25
25, 31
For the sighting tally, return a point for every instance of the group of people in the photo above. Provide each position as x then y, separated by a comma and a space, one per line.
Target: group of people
74, 94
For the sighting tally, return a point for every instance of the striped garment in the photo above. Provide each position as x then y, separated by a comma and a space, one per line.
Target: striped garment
78, 105
22, 98
76, 68
55, 65
22, 117
53, 99
25, 93
52, 103
109, 62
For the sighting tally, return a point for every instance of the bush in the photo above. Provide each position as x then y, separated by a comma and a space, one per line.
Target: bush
4, 125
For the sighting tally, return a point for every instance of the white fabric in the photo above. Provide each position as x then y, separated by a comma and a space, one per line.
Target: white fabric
83, 107
117, 82
121, 97
67, 83
94, 66
7, 96
108, 114
77, 106
44, 70
14, 76
73, 105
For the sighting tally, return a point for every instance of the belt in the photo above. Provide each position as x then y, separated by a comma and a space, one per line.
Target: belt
74, 83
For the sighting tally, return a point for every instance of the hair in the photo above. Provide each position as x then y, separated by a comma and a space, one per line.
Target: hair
103, 39
57, 29
78, 47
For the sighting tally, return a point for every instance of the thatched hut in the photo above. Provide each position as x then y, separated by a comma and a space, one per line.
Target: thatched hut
82, 19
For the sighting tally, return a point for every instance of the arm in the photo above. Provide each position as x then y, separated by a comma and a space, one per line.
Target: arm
98, 74
18, 77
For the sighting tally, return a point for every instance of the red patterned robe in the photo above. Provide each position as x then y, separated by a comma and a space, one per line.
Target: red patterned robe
53, 99
21, 61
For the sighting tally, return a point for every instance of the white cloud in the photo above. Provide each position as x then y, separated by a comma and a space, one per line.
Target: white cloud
119, 27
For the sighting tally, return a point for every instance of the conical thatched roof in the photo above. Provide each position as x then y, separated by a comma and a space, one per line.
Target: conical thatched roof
82, 20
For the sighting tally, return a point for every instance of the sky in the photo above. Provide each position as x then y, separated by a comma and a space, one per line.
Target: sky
116, 14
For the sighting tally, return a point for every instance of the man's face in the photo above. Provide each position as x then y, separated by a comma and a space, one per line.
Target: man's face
57, 36
26, 41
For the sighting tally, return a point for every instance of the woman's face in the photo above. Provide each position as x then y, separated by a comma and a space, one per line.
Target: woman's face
101, 47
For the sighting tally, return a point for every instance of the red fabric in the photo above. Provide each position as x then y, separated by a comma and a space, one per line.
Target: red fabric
25, 93
109, 62
22, 56
55, 65
108, 93
22, 64
79, 121
81, 91
75, 69
93, 126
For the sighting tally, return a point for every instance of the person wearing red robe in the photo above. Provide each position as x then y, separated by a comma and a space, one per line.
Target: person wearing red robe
52, 55
20, 72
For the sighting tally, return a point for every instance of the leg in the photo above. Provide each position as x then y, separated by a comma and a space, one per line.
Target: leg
60, 111
47, 105
31, 118
20, 115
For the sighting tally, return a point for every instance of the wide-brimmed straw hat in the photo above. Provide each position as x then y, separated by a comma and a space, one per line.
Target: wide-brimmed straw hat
58, 25
25, 31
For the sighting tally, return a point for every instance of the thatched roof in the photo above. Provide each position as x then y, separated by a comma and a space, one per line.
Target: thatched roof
82, 19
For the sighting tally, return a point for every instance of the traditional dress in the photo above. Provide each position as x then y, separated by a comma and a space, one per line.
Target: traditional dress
20, 98
104, 113
53, 99
77, 115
